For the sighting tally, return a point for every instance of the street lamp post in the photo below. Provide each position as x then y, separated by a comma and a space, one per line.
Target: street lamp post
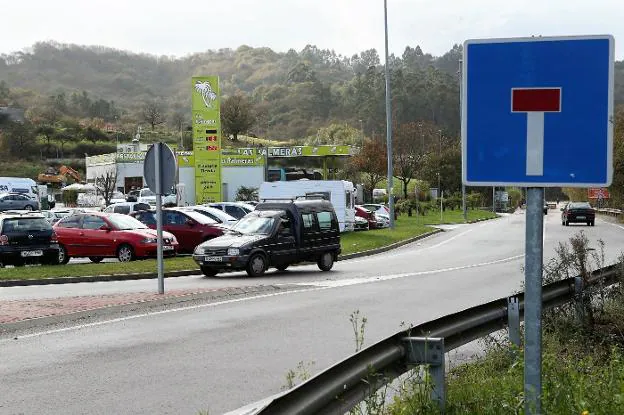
439, 173
388, 121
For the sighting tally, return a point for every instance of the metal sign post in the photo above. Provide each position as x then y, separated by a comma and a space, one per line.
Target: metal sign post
159, 249
533, 260
159, 171
561, 92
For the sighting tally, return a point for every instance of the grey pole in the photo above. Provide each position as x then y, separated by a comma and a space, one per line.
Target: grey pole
388, 122
534, 255
159, 250
494, 199
459, 72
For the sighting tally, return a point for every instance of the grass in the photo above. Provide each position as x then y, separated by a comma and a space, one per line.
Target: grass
352, 242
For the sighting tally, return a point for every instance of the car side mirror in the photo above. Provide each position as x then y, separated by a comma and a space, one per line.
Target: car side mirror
105, 228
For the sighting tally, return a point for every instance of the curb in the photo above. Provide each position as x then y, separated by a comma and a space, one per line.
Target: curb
183, 273
142, 306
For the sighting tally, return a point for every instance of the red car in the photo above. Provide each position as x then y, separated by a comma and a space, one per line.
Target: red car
368, 215
100, 235
189, 227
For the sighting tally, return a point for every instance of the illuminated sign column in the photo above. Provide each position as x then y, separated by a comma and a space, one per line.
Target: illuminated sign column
207, 138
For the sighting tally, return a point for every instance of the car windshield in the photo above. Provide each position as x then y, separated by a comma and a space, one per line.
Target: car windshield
147, 192
125, 223
25, 225
254, 225
579, 205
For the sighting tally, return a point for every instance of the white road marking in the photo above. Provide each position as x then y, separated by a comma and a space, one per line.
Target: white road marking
318, 285
616, 225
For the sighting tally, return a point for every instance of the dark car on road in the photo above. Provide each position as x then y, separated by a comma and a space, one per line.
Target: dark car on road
27, 238
99, 235
189, 227
578, 212
276, 234
16, 201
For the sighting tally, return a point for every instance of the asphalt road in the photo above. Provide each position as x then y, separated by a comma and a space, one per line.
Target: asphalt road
221, 356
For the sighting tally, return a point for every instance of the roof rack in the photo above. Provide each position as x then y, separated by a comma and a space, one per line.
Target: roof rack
279, 199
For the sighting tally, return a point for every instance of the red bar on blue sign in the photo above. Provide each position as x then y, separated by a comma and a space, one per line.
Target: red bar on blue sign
536, 100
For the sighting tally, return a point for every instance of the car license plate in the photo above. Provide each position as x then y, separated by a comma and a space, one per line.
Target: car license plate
580, 217
167, 248
213, 259
32, 253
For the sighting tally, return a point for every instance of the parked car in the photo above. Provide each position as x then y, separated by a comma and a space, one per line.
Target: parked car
276, 234
382, 213
27, 237
53, 216
235, 209
17, 201
578, 212
361, 224
215, 214
127, 208
190, 228
370, 216
99, 235
117, 197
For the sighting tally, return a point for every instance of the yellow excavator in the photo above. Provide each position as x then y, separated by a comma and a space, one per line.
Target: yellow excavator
52, 176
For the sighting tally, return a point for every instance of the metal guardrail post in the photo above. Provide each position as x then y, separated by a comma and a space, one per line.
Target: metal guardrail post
429, 351
513, 320
578, 298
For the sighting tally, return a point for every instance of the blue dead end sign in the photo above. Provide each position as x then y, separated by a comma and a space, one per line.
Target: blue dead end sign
537, 112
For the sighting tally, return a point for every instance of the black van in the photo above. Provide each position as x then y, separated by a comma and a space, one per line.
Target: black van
275, 234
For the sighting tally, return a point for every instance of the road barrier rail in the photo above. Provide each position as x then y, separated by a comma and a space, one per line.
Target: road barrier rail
342, 386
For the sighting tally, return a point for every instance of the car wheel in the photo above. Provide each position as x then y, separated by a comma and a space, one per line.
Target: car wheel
125, 253
29, 207
567, 223
96, 259
63, 257
256, 265
326, 261
209, 272
282, 267
592, 223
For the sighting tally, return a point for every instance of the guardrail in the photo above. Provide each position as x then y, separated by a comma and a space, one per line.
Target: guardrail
339, 388
610, 212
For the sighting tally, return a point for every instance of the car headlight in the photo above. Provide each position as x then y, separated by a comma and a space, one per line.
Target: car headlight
233, 252
149, 241
199, 251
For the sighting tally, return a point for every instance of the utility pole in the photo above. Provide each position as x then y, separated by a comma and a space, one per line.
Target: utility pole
388, 122
440, 173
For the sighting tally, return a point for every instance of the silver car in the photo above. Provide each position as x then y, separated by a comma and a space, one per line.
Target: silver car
17, 201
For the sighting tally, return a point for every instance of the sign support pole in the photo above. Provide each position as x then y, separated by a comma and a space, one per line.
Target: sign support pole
534, 255
390, 184
159, 250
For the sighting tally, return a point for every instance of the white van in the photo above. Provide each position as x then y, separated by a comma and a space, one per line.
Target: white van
339, 192
22, 185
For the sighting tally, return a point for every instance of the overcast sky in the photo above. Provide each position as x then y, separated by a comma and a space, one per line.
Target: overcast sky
182, 27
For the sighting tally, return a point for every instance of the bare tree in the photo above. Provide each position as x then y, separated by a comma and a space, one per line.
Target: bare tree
177, 121
107, 183
153, 114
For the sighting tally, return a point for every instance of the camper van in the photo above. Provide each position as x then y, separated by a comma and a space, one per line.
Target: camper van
339, 192
25, 186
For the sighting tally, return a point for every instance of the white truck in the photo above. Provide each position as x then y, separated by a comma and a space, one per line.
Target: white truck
21, 185
339, 192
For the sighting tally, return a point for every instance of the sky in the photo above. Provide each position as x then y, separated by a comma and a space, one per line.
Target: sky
181, 27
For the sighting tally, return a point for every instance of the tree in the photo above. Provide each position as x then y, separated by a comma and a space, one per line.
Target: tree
19, 139
371, 162
46, 132
178, 119
153, 114
237, 115
94, 134
246, 193
69, 131
107, 184
4, 91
